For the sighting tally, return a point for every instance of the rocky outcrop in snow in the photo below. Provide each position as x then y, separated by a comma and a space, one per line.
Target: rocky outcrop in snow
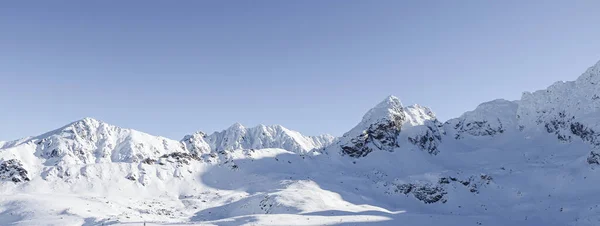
487, 120
13, 170
427, 193
425, 130
196, 144
594, 158
434, 192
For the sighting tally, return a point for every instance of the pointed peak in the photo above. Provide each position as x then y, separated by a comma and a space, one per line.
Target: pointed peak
193, 136
90, 119
390, 102
391, 105
278, 126
199, 133
236, 126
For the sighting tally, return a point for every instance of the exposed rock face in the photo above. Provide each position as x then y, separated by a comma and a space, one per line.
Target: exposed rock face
181, 157
487, 120
388, 126
13, 170
472, 183
427, 136
378, 130
429, 193
565, 127
594, 158
585, 133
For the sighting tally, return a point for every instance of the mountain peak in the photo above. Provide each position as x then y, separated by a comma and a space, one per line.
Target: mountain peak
381, 126
86, 121
390, 102
386, 109
236, 126
264, 136
89, 140
89, 119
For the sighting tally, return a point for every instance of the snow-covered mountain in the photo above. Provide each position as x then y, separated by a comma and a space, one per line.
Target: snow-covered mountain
389, 125
487, 120
90, 141
533, 161
239, 137
566, 109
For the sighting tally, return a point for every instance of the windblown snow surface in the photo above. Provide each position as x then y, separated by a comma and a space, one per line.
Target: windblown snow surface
534, 161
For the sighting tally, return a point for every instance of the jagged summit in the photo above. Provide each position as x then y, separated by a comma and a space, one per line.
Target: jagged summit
89, 120
387, 108
86, 122
274, 136
236, 126
89, 141
525, 162
381, 127
390, 101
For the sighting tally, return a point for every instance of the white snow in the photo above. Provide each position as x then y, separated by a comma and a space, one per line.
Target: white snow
523, 162
239, 137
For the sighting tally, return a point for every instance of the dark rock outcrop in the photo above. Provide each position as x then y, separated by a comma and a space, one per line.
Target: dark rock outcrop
564, 127
489, 119
427, 193
429, 140
13, 170
478, 128
383, 136
430, 193
389, 126
593, 158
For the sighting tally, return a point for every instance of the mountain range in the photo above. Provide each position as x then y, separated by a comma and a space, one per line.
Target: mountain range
532, 161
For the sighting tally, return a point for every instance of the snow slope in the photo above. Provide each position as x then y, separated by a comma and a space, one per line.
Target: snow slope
534, 161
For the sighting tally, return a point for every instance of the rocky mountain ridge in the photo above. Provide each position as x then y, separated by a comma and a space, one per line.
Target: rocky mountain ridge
527, 162
566, 109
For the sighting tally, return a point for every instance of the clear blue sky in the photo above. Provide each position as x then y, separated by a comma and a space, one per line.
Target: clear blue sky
174, 67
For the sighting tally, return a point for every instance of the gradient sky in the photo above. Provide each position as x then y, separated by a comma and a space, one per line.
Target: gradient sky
170, 68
